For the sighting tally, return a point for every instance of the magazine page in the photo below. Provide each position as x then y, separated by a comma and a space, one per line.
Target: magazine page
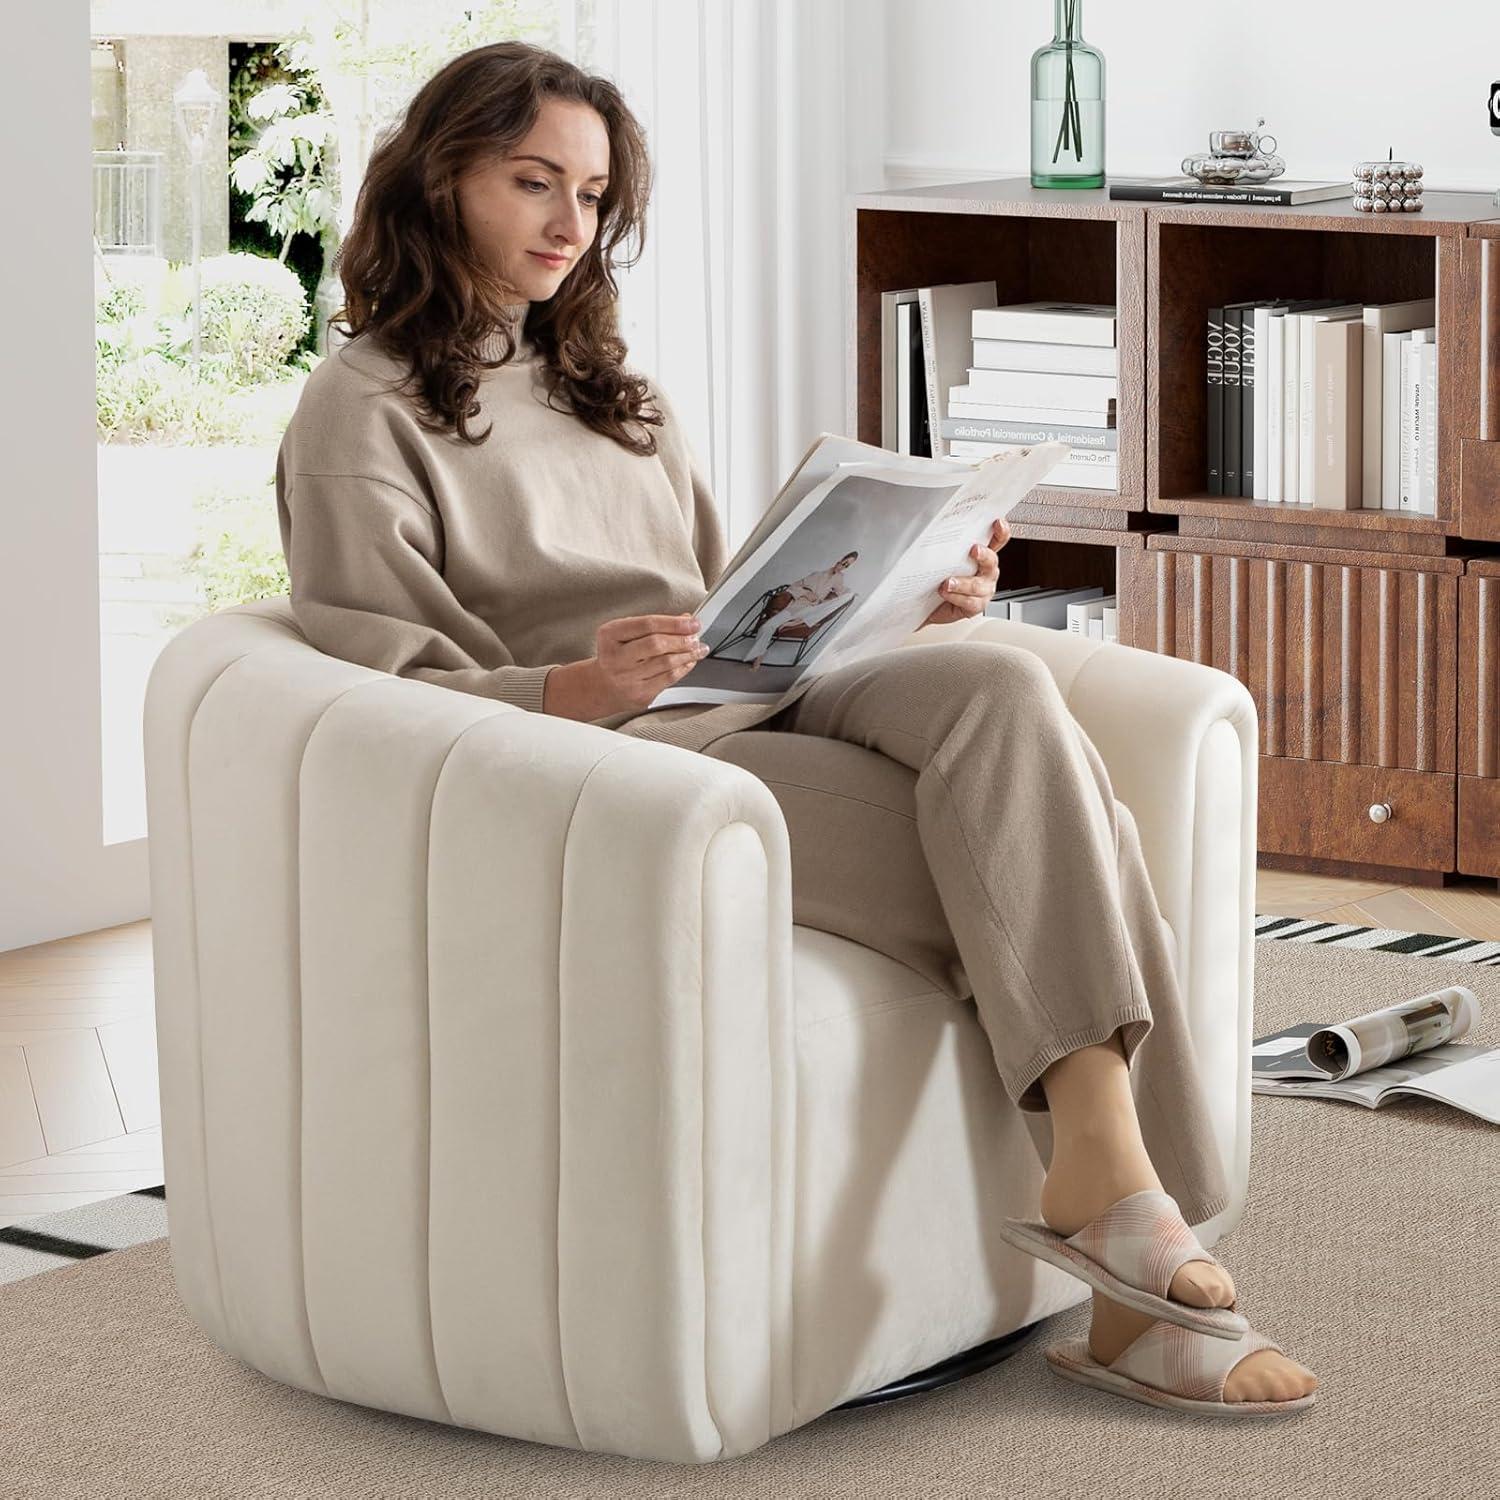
1466, 1077
827, 454
854, 565
1340, 1050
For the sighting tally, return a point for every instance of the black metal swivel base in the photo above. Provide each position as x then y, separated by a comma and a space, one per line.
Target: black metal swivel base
945, 1372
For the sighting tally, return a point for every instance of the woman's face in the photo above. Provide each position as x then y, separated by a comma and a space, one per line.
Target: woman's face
544, 198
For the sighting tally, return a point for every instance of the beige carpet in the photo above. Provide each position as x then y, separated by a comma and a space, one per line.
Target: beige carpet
1369, 1249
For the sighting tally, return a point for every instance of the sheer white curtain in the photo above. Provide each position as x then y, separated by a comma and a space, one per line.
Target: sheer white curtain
761, 117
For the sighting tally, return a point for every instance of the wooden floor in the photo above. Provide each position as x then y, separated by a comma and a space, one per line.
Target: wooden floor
78, 1086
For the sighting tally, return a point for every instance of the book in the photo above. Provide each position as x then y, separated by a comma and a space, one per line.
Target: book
1049, 359
1392, 403
1191, 190
1083, 471
947, 312
1106, 458
1415, 418
1215, 409
1111, 622
1050, 608
1427, 379
1381, 319
1047, 322
1338, 412
1269, 470
1105, 439
1410, 1048
913, 427
892, 394
1101, 416
1266, 466
1410, 423
1306, 323
847, 561
1087, 611
1234, 410
1085, 392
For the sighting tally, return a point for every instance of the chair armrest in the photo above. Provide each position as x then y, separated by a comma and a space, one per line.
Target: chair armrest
524, 980
1181, 743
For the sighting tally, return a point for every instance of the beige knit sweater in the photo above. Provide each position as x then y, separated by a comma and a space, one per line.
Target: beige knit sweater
481, 568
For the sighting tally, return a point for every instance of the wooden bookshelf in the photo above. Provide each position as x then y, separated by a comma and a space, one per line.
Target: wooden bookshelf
1369, 639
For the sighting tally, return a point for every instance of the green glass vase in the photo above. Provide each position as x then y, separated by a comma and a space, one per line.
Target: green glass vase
1067, 106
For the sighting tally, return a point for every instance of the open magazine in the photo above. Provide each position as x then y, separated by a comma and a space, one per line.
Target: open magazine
1357, 1059
846, 563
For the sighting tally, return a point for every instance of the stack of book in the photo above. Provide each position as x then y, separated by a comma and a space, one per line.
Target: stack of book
1043, 372
1323, 403
1084, 611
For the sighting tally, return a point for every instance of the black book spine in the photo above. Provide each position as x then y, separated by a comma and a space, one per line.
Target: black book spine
921, 424
1216, 401
1248, 358
1233, 408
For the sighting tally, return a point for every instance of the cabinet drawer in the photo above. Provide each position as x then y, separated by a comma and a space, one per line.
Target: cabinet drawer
1478, 826
1322, 809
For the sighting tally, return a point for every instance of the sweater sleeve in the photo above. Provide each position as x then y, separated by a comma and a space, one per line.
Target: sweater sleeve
363, 558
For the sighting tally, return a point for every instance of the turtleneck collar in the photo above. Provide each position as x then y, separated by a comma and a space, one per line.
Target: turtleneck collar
492, 346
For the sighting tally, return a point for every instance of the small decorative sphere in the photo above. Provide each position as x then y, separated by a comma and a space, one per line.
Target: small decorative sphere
1364, 171
1380, 206
1412, 205
1364, 205
1411, 189
1413, 169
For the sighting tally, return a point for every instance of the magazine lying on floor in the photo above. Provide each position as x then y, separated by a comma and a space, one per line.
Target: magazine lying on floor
1356, 1059
847, 562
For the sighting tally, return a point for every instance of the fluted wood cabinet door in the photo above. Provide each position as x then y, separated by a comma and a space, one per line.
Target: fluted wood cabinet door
1352, 664
1479, 719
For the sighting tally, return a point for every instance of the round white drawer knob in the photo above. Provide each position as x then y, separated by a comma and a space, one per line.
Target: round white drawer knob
1380, 812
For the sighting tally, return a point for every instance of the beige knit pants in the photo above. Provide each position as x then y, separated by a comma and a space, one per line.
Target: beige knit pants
974, 836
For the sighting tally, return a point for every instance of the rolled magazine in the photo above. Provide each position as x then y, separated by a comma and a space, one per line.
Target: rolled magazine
1408, 1048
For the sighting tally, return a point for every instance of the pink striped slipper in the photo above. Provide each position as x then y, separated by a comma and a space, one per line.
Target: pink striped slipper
1172, 1366
1131, 1252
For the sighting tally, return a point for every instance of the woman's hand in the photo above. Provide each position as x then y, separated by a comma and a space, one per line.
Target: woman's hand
966, 596
639, 655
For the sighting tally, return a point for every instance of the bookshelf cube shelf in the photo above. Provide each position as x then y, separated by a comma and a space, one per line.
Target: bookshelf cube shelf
1206, 257
1034, 246
1369, 639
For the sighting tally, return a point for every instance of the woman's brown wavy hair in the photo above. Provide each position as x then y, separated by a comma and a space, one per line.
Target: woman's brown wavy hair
412, 279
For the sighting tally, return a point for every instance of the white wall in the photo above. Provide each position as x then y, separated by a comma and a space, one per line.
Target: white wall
1338, 81
56, 873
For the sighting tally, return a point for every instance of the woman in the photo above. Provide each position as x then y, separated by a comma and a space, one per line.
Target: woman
808, 596
476, 492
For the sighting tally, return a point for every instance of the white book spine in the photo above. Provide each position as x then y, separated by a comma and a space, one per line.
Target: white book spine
1429, 376
1275, 381
1020, 321
1260, 402
1044, 390
903, 377
1392, 408
1111, 622
1290, 388
1096, 629
1033, 416
1410, 419
1056, 359
1306, 364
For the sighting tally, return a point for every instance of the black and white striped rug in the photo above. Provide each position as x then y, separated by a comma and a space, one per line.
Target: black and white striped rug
1378, 939
53, 1240
50, 1241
